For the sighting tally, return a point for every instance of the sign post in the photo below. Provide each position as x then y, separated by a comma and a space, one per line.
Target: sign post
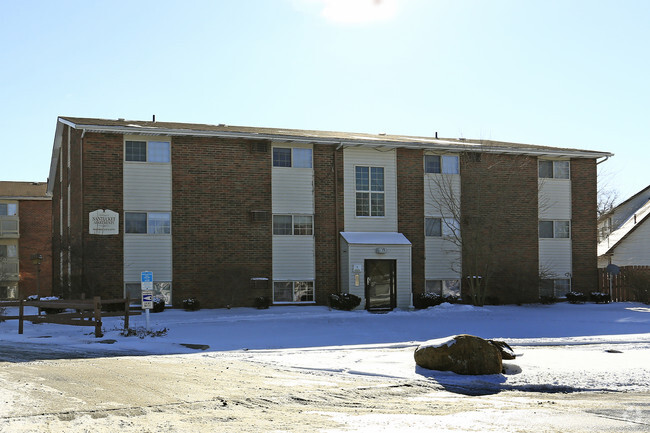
146, 286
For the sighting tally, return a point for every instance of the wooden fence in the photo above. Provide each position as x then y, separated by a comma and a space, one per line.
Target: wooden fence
627, 285
87, 312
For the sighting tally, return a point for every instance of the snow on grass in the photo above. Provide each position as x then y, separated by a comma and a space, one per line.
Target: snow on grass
564, 347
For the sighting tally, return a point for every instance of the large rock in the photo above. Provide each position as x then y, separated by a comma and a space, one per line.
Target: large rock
462, 354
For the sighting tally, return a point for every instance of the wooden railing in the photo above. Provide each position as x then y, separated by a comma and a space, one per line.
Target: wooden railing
88, 312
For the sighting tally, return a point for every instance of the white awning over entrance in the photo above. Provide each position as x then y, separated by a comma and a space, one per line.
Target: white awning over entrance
375, 238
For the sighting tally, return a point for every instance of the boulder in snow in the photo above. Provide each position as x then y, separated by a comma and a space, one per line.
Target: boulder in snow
462, 354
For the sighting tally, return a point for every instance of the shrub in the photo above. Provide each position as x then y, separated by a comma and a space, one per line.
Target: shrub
49, 298
191, 304
262, 303
141, 332
3, 312
600, 298
576, 297
344, 301
158, 305
547, 299
426, 300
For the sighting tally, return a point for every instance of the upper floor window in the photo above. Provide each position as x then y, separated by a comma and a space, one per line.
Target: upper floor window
369, 186
438, 227
152, 223
147, 151
554, 229
293, 225
297, 157
8, 251
8, 209
445, 164
549, 169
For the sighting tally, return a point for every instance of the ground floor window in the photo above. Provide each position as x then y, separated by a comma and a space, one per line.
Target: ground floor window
8, 291
293, 291
160, 289
443, 287
557, 288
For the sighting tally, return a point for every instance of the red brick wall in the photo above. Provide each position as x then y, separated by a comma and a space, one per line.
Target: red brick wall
217, 247
35, 238
410, 203
98, 259
328, 163
583, 225
57, 239
499, 208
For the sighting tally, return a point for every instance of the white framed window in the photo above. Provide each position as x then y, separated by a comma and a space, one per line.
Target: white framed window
8, 251
369, 187
147, 151
441, 164
293, 291
443, 287
151, 223
296, 157
8, 209
439, 227
9, 291
551, 169
558, 288
161, 289
298, 225
549, 229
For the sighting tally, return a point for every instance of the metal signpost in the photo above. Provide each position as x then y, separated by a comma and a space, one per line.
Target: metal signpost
146, 287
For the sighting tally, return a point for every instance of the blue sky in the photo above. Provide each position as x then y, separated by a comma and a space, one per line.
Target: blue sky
568, 73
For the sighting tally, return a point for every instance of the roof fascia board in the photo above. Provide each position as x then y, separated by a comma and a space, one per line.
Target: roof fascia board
443, 145
56, 147
14, 197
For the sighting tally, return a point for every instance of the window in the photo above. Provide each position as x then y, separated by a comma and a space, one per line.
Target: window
296, 157
554, 169
147, 151
443, 287
8, 251
554, 229
557, 288
369, 185
293, 225
433, 227
9, 292
445, 164
293, 291
438, 227
8, 209
152, 223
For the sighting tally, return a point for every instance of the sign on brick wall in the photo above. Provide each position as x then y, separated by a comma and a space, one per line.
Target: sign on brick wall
104, 222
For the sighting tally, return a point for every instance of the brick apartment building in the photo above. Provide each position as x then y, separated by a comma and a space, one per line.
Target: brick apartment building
227, 214
25, 240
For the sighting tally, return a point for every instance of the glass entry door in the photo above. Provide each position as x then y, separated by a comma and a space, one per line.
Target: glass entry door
380, 284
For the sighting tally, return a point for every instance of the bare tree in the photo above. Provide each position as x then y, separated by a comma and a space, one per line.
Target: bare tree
607, 194
487, 212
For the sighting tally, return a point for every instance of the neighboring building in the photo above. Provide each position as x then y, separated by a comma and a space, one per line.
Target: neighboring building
25, 231
227, 214
624, 233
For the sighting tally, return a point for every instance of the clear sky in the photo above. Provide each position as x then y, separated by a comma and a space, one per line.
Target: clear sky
567, 73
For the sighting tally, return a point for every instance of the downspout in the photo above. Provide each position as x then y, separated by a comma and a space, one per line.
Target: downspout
81, 204
336, 219
600, 162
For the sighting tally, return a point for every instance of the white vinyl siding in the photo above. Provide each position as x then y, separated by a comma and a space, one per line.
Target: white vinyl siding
554, 199
555, 258
292, 188
353, 157
635, 249
147, 186
148, 253
442, 259
294, 258
148, 189
356, 254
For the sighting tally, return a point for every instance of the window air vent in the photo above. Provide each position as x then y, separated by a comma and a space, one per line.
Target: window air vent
259, 216
260, 146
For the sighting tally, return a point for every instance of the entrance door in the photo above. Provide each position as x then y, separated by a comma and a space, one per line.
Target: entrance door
380, 284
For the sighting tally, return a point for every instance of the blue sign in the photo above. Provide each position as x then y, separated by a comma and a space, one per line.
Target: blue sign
147, 277
147, 297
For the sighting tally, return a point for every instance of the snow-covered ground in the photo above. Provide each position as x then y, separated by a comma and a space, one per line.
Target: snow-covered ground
561, 347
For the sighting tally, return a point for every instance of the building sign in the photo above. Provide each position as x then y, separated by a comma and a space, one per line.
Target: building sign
103, 222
